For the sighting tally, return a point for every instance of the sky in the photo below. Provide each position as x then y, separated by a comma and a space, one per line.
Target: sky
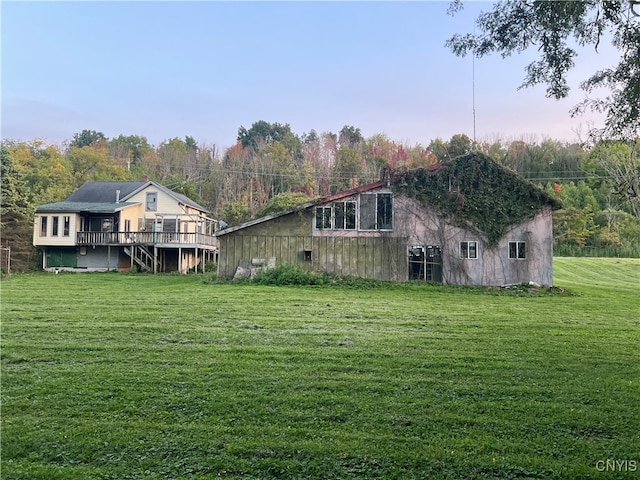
206, 68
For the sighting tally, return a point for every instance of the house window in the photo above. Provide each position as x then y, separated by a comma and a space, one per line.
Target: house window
345, 215
376, 212
54, 226
152, 201
127, 225
66, 226
323, 218
468, 249
517, 250
43, 226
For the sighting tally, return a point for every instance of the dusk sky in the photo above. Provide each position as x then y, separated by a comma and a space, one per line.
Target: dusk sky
203, 69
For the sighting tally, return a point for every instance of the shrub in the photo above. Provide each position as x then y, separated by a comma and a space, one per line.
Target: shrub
211, 267
287, 274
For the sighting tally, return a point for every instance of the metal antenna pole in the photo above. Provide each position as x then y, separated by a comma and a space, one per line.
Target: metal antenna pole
473, 90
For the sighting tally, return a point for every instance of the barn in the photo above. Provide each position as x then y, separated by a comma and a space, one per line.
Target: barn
469, 221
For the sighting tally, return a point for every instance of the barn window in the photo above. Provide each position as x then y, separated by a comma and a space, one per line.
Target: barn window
517, 250
323, 218
345, 215
376, 212
468, 249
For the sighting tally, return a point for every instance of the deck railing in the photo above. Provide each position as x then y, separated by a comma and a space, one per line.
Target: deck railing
144, 238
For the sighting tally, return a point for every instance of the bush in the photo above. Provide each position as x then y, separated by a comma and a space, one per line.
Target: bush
211, 277
211, 267
290, 275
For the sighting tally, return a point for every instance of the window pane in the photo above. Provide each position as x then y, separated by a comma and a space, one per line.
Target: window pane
326, 218
43, 226
384, 211
522, 250
323, 218
318, 217
152, 201
350, 214
473, 250
170, 225
368, 211
464, 250
67, 226
339, 215
54, 226
512, 250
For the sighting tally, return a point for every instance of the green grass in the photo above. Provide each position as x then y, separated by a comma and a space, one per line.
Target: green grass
117, 376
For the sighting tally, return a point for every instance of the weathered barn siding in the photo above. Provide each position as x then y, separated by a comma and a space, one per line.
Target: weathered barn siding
369, 257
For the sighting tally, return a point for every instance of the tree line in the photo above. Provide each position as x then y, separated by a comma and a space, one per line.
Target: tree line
271, 167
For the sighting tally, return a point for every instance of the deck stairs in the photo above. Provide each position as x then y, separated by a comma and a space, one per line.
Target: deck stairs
142, 257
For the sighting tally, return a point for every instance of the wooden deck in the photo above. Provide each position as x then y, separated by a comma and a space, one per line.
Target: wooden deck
175, 239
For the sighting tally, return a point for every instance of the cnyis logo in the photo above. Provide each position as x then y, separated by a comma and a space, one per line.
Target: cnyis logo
611, 465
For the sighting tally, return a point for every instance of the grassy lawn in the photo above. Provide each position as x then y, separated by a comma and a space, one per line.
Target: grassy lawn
117, 376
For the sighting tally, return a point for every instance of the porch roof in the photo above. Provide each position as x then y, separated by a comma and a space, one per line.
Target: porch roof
84, 207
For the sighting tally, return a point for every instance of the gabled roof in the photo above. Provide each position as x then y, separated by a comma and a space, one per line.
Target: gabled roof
103, 197
183, 199
303, 206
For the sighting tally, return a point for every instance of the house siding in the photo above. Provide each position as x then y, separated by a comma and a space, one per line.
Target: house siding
132, 214
59, 240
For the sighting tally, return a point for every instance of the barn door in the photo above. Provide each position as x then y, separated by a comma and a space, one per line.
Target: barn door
425, 263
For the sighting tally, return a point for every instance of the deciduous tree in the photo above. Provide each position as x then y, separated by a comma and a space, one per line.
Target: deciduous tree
620, 161
86, 138
557, 29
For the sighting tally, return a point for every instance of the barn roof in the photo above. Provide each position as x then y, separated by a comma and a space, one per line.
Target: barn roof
303, 206
472, 191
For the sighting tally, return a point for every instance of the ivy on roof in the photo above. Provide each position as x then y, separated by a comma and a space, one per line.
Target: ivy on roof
476, 193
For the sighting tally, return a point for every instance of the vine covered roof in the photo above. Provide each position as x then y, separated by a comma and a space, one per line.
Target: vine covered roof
474, 192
